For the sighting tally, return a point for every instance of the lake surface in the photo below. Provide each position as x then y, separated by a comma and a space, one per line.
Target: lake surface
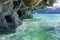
40, 27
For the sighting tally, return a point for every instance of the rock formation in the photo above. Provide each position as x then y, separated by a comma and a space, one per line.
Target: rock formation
24, 14
12, 11
9, 19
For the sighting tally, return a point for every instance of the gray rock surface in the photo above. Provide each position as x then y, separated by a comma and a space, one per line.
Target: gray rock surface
8, 19
24, 14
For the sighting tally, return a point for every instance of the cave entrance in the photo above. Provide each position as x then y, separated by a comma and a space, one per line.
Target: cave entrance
8, 18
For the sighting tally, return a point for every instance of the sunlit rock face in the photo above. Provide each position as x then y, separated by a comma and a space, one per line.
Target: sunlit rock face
30, 2
34, 4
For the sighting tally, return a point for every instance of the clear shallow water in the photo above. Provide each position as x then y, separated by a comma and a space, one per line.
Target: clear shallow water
41, 27
54, 16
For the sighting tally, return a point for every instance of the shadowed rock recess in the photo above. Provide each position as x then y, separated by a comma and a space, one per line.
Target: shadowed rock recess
9, 19
10, 16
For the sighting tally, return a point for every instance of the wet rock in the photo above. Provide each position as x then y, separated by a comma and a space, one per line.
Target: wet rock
27, 14
8, 19
24, 14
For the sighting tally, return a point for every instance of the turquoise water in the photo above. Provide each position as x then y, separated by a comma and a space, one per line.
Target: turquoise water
40, 27
46, 15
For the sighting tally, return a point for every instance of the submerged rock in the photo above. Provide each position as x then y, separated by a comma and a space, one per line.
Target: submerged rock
57, 28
